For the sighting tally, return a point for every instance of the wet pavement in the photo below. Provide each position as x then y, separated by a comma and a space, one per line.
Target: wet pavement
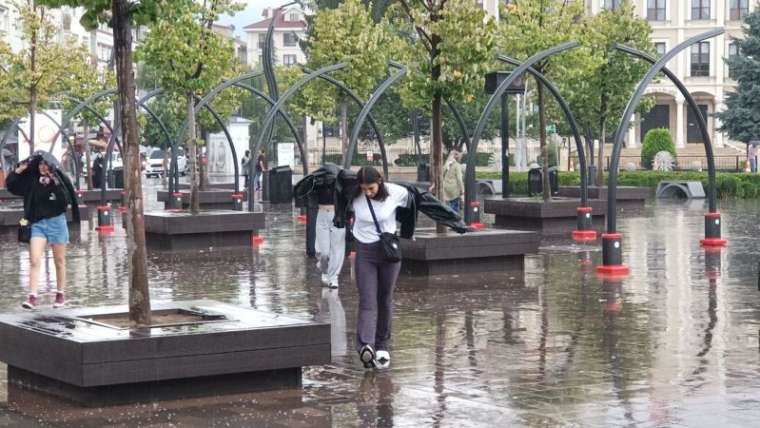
675, 344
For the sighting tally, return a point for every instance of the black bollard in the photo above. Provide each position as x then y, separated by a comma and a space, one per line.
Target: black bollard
237, 201
612, 256
105, 219
712, 231
175, 201
475, 208
311, 229
584, 231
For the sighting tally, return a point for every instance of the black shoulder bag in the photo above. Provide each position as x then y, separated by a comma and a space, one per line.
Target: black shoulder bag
389, 241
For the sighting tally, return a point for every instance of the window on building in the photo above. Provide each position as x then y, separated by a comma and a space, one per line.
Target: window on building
700, 59
5, 20
660, 48
700, 10
289, 39
66, 22
288, 60
611, 4
656, 10
104, 52
293, 17
738, 9
262, 41
733, 50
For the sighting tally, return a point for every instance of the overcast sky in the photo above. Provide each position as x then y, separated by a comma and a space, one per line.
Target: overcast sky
250, 14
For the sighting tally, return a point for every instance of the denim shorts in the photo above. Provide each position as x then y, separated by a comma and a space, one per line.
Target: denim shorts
54, 229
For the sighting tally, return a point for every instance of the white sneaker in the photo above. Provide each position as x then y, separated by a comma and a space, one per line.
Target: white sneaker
383, 359
333, 284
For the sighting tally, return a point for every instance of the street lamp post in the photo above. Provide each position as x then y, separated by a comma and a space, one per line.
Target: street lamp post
493, 80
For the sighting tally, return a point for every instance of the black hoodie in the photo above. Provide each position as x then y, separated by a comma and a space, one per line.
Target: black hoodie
43, 200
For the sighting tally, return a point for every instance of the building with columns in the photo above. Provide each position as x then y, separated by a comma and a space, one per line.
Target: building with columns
701, 68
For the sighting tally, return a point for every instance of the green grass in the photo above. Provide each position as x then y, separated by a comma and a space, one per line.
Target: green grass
738, 185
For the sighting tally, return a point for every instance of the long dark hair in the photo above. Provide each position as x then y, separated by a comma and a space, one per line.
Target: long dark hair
369, 175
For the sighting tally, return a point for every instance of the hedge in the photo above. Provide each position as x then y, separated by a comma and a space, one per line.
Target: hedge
738, 185
657, 140
410, 159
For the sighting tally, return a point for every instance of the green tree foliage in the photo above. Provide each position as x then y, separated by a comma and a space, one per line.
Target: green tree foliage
530, 26
189, 58
656, 140
450, 47
605, 78
42, 68
346, 33
741, 118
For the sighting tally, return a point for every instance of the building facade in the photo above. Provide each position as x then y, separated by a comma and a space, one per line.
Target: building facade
66, 19
289, 29
701, 68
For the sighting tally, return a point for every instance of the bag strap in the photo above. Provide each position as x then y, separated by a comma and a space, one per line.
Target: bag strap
372, 211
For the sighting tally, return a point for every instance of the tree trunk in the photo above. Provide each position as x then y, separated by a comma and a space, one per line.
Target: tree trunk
344, 128
195, 205
139, 296
88, 156
436, 154
601, 163
547, 193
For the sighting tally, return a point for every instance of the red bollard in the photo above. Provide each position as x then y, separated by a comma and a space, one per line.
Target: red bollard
585, 231
105, 220
712, 232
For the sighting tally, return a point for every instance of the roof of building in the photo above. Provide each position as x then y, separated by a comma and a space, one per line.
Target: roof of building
279, 22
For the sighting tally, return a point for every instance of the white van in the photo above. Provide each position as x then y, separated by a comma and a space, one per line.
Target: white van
154, 164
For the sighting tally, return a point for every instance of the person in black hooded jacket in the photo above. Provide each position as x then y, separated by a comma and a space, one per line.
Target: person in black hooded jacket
47, 193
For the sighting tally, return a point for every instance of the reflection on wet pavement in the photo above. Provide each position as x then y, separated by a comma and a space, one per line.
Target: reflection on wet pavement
676, 344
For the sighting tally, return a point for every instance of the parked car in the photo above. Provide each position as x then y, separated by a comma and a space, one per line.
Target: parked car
154, 164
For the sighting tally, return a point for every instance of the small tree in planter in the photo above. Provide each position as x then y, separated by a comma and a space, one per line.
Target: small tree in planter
656, 140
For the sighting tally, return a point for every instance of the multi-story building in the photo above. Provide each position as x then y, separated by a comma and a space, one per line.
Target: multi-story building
701, 67
241, 47
66, 19
289, 29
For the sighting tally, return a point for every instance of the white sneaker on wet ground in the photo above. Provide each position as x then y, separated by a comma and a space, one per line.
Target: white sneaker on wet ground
383, 359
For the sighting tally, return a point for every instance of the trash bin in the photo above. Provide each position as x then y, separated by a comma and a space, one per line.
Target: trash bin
554, 180
535, 182
280, 185
423, 172
117, 178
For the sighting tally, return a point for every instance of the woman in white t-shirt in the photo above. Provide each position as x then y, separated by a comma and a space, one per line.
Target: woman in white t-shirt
375, 277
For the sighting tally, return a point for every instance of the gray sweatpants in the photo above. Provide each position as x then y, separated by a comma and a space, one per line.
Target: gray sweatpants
330, 245
375, 279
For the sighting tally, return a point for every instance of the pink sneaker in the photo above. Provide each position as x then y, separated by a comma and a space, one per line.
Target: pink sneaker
30, 303
59, 300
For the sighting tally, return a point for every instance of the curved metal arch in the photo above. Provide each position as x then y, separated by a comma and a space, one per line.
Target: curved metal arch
173, 168
3, 142
460, 121
276, 107
470, 185
284, 116
349, 155
701, 121
372, 122
633, 104
570, 118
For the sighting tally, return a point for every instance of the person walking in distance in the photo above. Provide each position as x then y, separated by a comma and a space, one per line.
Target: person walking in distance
261, 166
453, 183
244, 164
330, 242
374, 206
47, 193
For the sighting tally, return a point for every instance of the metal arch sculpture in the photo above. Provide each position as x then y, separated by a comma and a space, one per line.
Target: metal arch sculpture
570, 119
3, 142
460, 121
173, 168
358, 100
349, 155
276, 107
470, 185
611, 241
282, 114
701, 121
206, 99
